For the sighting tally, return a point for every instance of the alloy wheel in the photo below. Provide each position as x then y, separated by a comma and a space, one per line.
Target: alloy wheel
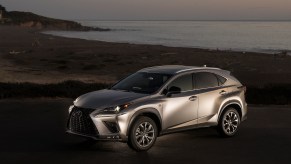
230, 122
145, 134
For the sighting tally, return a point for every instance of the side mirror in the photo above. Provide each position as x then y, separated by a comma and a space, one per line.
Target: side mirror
173, 90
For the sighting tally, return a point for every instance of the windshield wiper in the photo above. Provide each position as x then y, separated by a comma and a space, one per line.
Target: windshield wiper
136, 88
124, 90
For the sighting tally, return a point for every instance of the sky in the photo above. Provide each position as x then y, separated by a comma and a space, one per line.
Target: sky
155, 9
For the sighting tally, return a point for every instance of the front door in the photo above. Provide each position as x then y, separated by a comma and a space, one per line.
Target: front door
180, 109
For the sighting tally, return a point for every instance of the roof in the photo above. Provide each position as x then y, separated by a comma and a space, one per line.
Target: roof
173, 69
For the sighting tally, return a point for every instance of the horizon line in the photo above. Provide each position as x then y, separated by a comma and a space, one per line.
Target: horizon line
230, 20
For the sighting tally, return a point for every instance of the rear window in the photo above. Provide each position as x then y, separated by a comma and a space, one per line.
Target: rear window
205, 80
221, 80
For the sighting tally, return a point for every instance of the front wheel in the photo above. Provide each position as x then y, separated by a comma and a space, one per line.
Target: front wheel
143, 134
228, 123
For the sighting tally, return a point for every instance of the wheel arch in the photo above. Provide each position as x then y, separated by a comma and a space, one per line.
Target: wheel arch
234, 104
149, 112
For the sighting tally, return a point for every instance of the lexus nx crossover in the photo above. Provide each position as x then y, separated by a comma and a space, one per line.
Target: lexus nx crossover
159, 100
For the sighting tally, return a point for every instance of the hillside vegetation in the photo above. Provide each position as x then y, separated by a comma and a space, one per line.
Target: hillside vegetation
28, 19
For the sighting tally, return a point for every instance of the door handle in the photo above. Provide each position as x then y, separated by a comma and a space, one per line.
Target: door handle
223, 92
192, 98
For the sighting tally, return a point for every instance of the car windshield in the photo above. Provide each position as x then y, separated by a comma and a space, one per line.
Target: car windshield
142, 82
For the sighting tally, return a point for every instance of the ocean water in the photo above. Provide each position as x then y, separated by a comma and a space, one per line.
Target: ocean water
256, 36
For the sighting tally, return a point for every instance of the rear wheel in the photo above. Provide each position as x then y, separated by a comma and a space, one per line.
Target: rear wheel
229, 122
143, 134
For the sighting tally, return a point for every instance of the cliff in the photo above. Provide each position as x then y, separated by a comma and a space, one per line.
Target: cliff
28, 19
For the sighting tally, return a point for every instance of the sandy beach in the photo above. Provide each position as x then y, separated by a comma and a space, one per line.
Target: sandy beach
27, 55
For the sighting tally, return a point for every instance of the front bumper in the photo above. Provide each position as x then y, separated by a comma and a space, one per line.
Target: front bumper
244, 112
87, 123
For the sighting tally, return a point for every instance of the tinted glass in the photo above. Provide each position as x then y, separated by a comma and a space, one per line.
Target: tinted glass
205, 80
221, 79
142, 82
183, 82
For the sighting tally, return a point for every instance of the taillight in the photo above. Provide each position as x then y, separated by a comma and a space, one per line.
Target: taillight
245, 89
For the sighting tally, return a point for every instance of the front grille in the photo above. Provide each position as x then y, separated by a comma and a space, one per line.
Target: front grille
81, 123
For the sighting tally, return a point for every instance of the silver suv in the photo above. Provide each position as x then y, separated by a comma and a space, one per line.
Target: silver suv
158, 100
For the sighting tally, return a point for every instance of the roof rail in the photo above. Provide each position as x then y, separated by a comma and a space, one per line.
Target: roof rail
197, 68
159, 66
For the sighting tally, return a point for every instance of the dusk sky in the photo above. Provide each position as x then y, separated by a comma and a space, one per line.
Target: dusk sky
156, 9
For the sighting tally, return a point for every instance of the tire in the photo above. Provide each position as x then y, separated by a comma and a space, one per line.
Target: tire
142, 139
229, 122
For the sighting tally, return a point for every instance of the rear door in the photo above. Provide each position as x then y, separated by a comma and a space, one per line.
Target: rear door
210, 93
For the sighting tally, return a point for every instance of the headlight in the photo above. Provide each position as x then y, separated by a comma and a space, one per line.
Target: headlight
70, 108
115, 109
75, 101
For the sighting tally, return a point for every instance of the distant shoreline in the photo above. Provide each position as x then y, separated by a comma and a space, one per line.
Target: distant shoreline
261, 37
183, 20
267, 52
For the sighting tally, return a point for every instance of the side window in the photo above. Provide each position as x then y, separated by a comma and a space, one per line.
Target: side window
205, 80
221, 80
182, 83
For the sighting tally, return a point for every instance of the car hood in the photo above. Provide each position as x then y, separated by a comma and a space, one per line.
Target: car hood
106, 98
